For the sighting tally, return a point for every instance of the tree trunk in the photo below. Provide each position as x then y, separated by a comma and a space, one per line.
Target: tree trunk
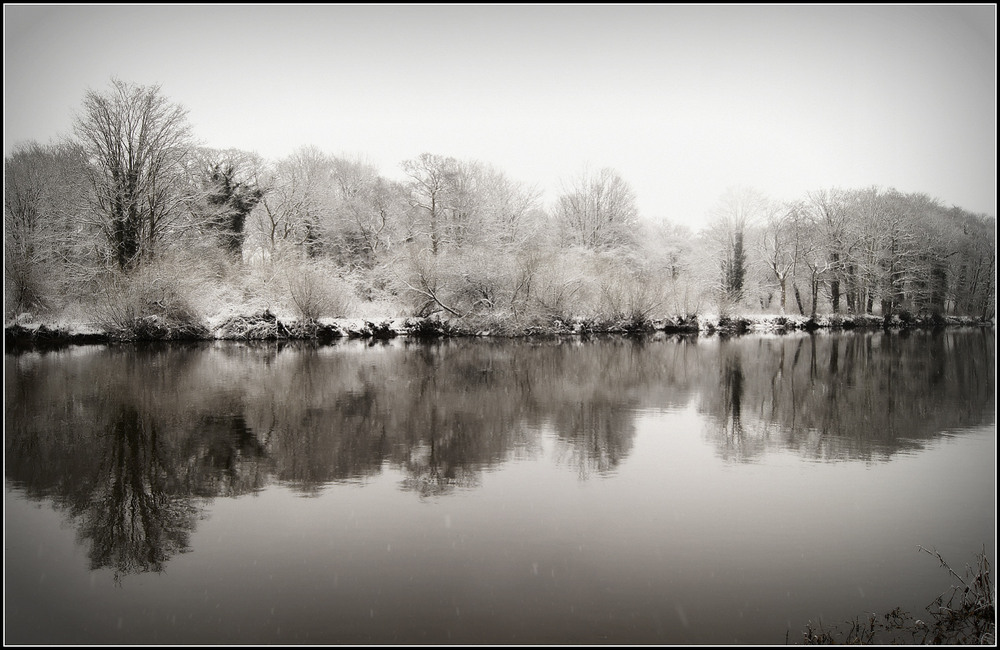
835, 286
798, 299
815, 295
434, 226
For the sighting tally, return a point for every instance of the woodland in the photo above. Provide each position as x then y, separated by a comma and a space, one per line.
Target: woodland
130, 225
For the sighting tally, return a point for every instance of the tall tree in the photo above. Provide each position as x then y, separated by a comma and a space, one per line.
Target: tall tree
826, 209
229, 179
368, 211
973, 267
45, 239
433, 181
738, 208
812, 257
22, 207
778, 246
297, 199
135, 140
510, 210
598, 210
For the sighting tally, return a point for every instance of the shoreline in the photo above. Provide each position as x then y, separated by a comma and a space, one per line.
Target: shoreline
266, 326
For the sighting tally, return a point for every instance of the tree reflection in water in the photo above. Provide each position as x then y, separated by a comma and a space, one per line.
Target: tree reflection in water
229, 457
129, 440
851, 396
134, 521
445, 461
594, 437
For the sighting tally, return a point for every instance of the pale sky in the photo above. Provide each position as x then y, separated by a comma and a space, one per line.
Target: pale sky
683, 101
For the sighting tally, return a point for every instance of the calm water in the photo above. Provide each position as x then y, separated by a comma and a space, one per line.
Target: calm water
652, 490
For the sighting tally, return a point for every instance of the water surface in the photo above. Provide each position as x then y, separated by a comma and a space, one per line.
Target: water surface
623, 490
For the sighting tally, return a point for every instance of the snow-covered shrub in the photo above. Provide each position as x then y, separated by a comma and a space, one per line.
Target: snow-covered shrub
144, 303
316, 290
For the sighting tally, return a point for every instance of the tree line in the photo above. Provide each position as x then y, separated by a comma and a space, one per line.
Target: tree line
129, 217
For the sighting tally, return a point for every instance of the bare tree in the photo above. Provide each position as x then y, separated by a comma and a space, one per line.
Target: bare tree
368, 211
135, 141
778, 246
827, 209
22, 207
973, 267
46, 241
297, 197
432, 183
510, 209
597, 210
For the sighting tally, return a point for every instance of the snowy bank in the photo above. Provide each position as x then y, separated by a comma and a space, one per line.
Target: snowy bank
26, 331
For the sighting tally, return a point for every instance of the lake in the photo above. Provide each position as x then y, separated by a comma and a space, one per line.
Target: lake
632, 490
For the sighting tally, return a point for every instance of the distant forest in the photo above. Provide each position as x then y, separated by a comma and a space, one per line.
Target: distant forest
127, 217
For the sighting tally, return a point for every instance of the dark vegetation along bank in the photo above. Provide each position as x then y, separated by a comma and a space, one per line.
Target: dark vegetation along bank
965, 614
268, 327
125, 228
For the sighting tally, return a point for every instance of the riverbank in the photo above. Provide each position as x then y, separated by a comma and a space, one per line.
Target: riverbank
26, 331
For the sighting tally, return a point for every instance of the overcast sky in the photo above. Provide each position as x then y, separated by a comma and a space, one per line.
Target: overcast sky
683, 101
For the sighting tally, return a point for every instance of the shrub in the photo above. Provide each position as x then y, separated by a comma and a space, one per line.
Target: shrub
630, 297
23, 288
144, 304
315, 291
